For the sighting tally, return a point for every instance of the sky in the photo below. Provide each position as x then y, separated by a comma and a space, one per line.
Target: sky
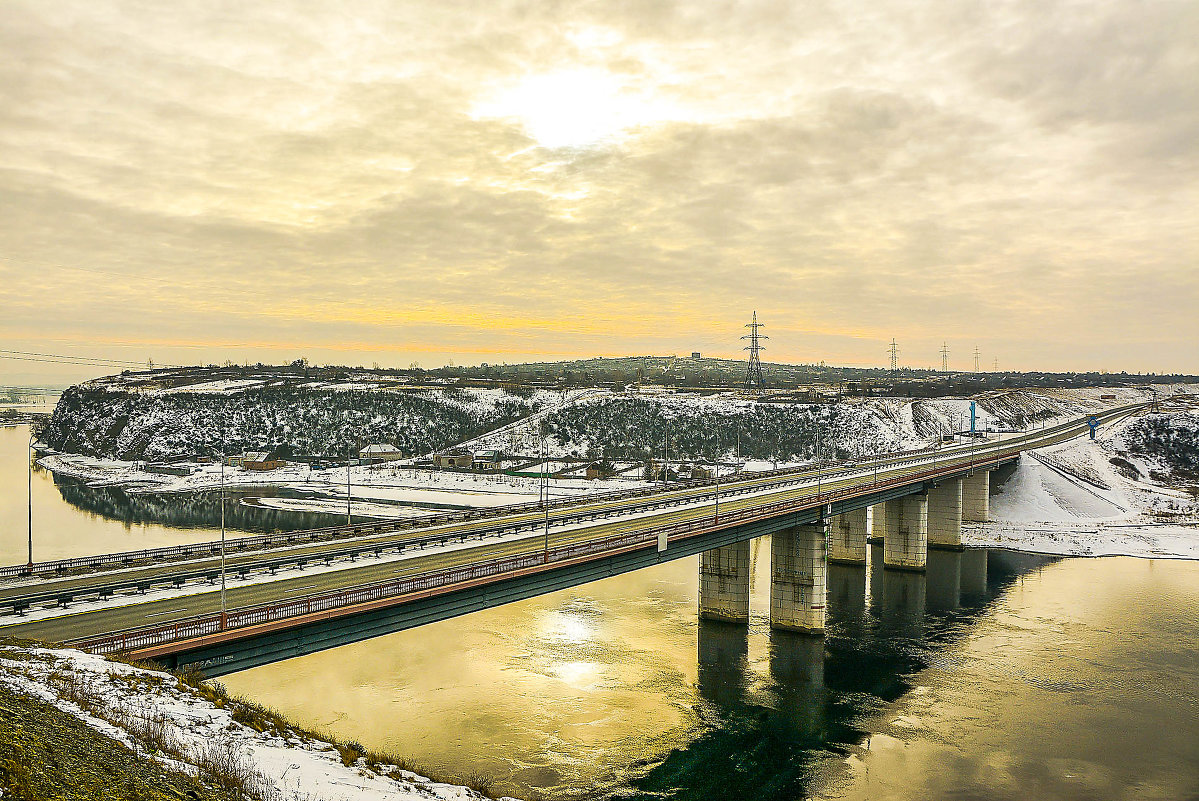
426, 182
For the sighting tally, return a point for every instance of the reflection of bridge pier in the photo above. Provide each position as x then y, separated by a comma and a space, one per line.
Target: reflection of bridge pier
797, 668
846, 593
897, 597
974, 572
723, 657
944, 593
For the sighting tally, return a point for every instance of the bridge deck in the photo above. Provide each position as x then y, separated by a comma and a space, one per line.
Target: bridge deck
437, 581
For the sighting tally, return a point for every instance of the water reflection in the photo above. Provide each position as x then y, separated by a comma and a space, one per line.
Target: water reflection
944, 574
190, 509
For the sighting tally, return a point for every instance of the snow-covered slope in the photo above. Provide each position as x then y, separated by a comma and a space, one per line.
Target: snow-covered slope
201, 731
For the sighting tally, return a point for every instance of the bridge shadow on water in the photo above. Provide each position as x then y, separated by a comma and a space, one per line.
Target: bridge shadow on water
764, 730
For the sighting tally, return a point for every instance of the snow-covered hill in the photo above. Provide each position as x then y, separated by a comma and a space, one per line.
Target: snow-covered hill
108, 422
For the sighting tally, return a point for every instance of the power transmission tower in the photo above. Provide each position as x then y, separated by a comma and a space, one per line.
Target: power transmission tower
976, 358
995, 363
944, 357
753, 376
894, 356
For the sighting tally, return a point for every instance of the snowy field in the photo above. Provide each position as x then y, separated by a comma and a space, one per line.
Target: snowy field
1070, 499
186, 728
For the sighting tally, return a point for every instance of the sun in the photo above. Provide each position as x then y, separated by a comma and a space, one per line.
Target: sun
574, 108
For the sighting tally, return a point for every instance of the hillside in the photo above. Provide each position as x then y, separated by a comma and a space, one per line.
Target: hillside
110, 421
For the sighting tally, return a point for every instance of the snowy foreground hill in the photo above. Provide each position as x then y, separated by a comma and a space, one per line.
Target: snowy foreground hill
201, 742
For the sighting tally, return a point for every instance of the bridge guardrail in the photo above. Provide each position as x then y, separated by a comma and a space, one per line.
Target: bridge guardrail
147, 636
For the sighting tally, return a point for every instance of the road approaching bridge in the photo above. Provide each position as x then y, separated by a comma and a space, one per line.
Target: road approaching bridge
356, 582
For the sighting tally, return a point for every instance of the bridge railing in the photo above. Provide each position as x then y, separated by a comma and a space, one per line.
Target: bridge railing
264, 541
148, 636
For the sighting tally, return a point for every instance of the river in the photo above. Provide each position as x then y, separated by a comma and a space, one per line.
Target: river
1053, 678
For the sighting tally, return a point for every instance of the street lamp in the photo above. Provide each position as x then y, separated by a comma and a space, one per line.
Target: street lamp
716, 467
348, 457
29, 563
545, 479
224, 616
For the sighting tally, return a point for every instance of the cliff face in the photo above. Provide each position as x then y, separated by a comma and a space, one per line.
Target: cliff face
133, 425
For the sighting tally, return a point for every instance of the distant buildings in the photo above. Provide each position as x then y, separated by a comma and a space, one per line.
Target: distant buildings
380, 452
460, 459
261, 460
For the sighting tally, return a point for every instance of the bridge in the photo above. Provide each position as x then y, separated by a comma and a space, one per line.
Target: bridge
360, 581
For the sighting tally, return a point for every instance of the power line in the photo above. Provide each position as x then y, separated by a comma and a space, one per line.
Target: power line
62, 358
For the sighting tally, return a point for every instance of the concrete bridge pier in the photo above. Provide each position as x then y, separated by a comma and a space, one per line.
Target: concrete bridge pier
945, 515
724, 583
798, 579
976, 497
847, 542
905, 543
974, 571
878, 524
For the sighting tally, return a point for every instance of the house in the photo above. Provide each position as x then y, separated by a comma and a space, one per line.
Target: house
599, 470
233, 461
261, 460
488, 460
380, 452
461, 460
166, 469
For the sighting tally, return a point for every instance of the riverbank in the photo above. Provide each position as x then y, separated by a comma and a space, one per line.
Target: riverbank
1093, 498
147, 730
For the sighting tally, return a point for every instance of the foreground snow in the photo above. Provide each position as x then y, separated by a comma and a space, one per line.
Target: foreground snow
186, 728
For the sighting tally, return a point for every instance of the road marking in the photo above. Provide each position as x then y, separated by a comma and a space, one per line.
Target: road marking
169, 612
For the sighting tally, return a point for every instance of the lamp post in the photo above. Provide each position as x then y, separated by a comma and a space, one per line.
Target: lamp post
224, 615
29, 452
545, 479
818, 462
348, 457
716, 467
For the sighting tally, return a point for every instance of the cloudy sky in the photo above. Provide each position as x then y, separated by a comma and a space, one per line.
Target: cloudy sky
394, 182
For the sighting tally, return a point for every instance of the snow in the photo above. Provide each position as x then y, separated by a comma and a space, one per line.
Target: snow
284, 765
1069, 499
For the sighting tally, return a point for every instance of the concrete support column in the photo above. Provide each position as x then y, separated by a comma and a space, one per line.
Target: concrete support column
724, 582
878, 523
945, 514
976, 497
847, 542
798, 582
905, 544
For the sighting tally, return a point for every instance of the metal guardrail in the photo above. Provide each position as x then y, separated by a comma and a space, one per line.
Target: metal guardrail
144, 637
212, 548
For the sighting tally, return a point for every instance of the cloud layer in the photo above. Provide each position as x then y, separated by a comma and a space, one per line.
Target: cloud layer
426, 181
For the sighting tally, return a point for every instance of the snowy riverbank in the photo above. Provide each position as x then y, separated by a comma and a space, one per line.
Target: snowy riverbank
198, 730
1093, 498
